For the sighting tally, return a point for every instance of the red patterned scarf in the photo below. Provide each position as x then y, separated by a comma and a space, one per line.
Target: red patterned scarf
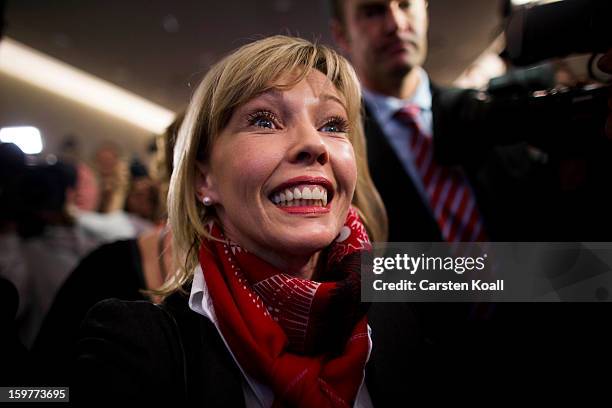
305, 339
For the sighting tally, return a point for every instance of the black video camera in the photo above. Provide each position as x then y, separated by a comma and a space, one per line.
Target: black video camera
537, 33
525, 105
551, 137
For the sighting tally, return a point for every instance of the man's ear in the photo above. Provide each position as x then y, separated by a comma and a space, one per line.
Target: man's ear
205, 185
339, 34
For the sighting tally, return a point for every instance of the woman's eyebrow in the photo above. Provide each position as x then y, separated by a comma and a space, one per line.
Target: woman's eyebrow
329, 97
277, 94
274, 94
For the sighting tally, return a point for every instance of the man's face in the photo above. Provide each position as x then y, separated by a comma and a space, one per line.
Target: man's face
383, 37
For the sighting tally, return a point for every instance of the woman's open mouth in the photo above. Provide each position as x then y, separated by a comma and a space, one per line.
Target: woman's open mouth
303, 197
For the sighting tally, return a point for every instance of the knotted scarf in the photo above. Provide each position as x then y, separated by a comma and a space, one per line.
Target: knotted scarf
306, 339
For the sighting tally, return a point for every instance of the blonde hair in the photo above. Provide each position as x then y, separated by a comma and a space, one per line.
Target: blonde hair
247, 72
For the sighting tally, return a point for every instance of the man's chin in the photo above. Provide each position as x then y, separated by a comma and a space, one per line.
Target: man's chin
403, 63
399, 69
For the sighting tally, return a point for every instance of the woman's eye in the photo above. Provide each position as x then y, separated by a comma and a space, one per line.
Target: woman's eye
335, 125
264, 120
264, 123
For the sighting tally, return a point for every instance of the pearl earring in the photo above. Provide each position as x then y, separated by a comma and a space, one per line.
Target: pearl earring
207, 201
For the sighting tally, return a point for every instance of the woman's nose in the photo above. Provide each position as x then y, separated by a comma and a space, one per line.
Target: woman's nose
310, 148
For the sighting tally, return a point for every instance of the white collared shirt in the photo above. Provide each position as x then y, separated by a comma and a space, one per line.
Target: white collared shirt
384, 108
256, 394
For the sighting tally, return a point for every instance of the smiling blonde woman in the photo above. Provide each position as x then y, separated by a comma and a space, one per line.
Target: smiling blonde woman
256, 69
271, 205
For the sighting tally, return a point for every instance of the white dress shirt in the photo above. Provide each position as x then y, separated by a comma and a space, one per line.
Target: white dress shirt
256, 394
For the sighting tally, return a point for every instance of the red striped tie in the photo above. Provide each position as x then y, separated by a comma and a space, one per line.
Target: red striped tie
450, 195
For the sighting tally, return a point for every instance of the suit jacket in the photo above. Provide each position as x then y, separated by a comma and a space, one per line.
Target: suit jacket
511, 187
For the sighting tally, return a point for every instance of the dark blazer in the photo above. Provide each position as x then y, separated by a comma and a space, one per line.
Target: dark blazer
511, 187
135, 351
138, 351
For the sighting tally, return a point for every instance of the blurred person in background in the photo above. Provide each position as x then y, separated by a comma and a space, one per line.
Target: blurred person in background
86, 194
128, 269
110, 221
12, 170
13, 275
429, 196
52, 243
386, 41
113, 174
142, 201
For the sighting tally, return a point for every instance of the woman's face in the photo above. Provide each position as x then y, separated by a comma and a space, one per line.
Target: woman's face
282, 173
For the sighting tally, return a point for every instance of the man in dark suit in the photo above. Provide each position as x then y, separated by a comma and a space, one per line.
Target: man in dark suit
386, 42
428, 197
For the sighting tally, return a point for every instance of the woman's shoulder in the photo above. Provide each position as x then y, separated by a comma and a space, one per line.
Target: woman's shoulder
122, 309
127, 348
142, 321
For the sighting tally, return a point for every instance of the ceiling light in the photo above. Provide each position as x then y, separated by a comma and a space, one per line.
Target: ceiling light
36, 68
27, 138
533, 2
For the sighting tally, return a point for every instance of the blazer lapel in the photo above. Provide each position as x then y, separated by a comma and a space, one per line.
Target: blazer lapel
409, 218
212, 376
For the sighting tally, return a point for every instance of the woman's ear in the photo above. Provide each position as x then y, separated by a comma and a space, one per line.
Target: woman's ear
205, 185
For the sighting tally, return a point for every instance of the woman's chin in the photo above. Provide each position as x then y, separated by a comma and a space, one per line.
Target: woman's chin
305, 243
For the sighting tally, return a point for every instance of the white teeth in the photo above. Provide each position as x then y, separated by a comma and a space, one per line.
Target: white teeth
316, 193
301, 196
288, 195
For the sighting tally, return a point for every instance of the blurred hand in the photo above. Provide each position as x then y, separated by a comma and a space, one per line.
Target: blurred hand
605, 64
